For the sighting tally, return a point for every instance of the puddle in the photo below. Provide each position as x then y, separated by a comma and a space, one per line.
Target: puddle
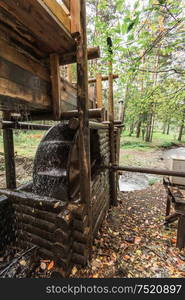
138, 181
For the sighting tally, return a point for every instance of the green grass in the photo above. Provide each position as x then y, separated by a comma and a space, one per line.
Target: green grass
25, 143
160, 140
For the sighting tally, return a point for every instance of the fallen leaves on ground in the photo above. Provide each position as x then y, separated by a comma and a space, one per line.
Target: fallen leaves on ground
133, 241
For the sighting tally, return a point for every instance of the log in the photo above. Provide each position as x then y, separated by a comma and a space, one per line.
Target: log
44, 215
62, 236
79, 259
29, 199
104, 78
48, 236
35, 240
27, 219
82, 237
79, 225
62, 251
9, 156
79, 211
80, 248
56, 89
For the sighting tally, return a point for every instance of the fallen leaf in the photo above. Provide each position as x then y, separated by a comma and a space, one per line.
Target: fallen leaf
173, 240
51, 265
126, 257
137, 240
74, 270
56, 204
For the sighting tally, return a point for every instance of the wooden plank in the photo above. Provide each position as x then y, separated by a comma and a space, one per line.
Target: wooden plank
113, 175
17, 83
58, 12
13, 55
70, 57
99, 90
82, 103
51, 34
56, 91
9, 155
15, 97
67, 3
104, 78
14, 38
75, 16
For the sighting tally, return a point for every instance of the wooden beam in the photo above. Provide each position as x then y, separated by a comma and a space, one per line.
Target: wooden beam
50, 33
82, 103
99, 95
24, 61
58, 12
56, 90
67, 3
104, 78
9, 155
70, 58
75, 16
113, 175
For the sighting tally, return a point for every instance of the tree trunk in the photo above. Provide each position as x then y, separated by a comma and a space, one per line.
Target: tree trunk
181, 132
168, 129
164, 128
138, 129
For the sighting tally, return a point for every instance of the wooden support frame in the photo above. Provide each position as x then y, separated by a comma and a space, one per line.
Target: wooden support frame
82, 103
113, 175
56, 90
99, 94
9, 156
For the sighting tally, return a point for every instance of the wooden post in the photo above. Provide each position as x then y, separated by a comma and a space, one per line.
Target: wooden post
75, 16
82, 103
9, 155
113, 175
56, 86
69, 73
99, 90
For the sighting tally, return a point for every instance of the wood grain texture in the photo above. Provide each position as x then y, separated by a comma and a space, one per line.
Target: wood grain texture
49, 32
